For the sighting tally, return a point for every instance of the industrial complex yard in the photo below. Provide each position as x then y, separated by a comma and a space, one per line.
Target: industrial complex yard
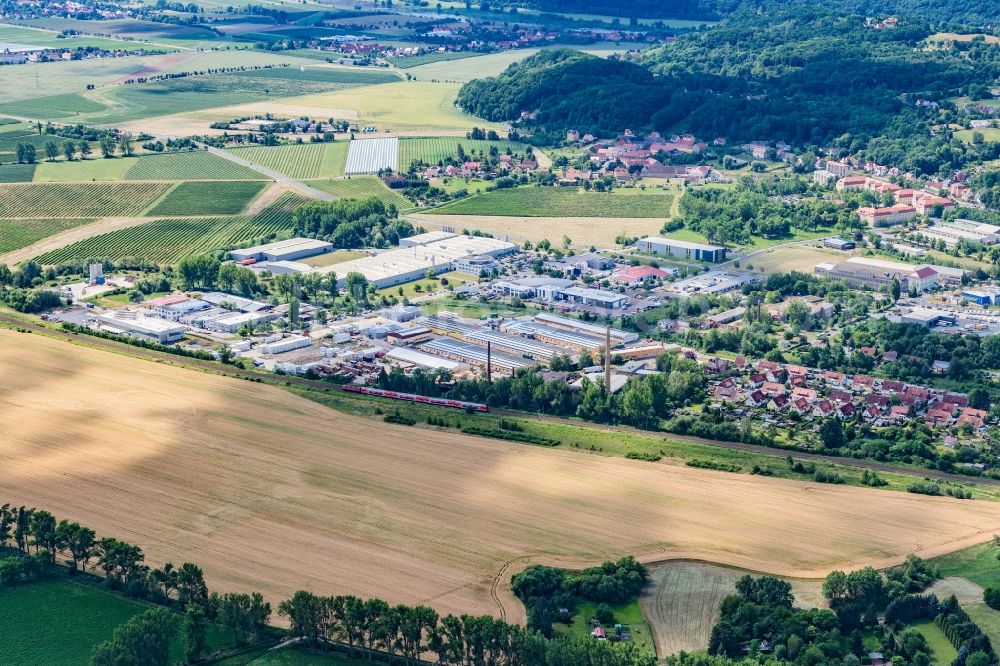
294, 495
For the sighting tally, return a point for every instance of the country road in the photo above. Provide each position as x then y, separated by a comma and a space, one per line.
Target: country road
271, 173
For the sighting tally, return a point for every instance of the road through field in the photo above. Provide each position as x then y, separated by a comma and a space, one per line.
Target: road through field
272, 492
70, 236
276, 176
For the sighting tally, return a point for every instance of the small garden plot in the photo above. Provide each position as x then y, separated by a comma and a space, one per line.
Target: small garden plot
372, 155
208, 198
304, 161
77, 199
194, 165
15, 234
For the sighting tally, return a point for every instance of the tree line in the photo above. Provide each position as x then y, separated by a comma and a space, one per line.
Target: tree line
32, 540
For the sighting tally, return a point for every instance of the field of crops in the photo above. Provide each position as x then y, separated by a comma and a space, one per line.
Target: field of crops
433, 150
77, 199
372, 155
195, 165
326, 75
208, 198
427, 58
98, 169
53, 106
165, 241
15, 234
17, 173
362, 187
308, 160
561, 202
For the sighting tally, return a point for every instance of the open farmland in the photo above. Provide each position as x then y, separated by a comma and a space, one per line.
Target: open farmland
434, 150
269, 491
532, 201
372, 155
194, 165
15, 234
681, 603
208, 198
77, 199
362, 187
165, 241
308, 160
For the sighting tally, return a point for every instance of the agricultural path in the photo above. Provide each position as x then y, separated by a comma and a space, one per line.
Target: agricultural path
272, 174
70, 236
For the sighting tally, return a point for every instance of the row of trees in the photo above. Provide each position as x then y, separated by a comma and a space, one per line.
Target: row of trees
363, 626
27, 153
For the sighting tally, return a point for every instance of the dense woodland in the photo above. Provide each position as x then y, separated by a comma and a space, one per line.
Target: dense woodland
967, 12
351, 223
804, 74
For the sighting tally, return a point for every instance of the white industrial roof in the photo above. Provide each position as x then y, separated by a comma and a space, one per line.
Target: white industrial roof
673, 242
150, 324
415, 357
429, 237
290, 245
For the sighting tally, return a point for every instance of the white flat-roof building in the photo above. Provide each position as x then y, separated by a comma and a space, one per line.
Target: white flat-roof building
232, 323
401, 265
714, 282
424, 360
286, 345
286, 250
424, 239
681, 249
157, 329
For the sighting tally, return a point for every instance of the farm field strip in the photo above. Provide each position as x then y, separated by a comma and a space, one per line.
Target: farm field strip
15, 234
362, 187
167, 240
436, 149
208, 198
306, 161
77, 199
194, 165
534, 201
371, 155
352, 505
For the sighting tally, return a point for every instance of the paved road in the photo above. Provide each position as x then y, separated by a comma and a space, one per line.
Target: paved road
272, 174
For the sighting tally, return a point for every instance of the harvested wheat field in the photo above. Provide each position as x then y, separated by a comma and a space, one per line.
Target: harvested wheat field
583, 231
271, 492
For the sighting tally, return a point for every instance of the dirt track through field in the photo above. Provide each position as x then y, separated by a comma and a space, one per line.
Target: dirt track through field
272, 492
58, 241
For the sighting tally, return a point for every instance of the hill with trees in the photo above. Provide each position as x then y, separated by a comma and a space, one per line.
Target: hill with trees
803, 74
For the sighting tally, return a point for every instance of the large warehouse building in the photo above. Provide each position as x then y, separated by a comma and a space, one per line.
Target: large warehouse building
681, 249
406, 264
286, 250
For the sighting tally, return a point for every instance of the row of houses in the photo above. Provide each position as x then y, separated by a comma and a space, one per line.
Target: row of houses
814, 393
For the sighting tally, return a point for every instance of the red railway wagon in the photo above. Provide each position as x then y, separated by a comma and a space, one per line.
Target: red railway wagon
412, 397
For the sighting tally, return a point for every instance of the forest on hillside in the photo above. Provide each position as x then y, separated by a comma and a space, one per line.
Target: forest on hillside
967, 12
803, 74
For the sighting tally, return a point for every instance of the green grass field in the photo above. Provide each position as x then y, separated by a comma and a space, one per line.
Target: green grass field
986, 619
59, 622
428, 58
977, 563
17, 173
208, 198
15, 234
77, 199
168, 240
534, 201
303, 161
362, 187
989, 134
59, 107
943, 653
434, 150
192, 165
84, 170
